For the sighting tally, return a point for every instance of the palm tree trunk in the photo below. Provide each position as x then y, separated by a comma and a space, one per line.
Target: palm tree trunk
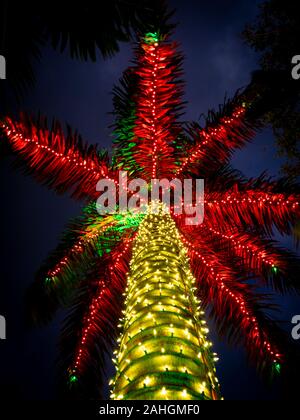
164, 353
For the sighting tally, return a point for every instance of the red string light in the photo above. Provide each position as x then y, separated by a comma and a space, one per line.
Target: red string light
157, 108
95, 307
79, 247
206, 135
250, 249
52, 144
71, 158
89, 325
255, 197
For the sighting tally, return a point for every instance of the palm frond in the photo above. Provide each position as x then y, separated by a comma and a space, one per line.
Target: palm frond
240, 312
63, 163
223, 132
272, 265
87, 240
91, 328
124, 101
156, 127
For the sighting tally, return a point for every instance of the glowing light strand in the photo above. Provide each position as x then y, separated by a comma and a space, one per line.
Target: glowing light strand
207, 135
80, 246
157, 107
72, 157
238, 299
252, 197
250, 249
164, 353
95, 306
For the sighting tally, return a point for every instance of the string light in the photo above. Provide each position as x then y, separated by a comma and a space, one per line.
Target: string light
41, 140
80, 246
206, 136
242, 247
156, 109
258, 337
252, 197
89, 321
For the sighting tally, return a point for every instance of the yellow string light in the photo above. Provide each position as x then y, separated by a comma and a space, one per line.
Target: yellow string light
163, 348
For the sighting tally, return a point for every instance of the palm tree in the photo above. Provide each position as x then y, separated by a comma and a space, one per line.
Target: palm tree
153, 275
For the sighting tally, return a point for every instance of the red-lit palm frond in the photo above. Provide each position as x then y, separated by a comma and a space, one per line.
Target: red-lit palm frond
63, 163
158, 106
238, 310
264, 259
84, 242
91, 329
251, 208
259, 204
224, 131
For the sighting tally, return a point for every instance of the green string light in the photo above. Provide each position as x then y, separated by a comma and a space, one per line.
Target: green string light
152, 37
48, 281
73, 379
277, 367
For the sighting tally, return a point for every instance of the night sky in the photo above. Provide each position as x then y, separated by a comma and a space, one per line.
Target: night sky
216, 62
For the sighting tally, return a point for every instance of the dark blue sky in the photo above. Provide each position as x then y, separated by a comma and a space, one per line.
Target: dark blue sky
216, 62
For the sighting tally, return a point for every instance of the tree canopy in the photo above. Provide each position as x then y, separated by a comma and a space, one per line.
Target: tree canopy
275, 37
